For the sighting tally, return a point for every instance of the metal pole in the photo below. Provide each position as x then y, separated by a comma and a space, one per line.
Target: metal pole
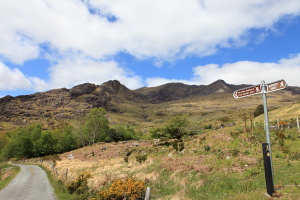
263, 88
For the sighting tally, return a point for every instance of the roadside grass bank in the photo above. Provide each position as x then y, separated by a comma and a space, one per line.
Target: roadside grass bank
7, 173
60, 189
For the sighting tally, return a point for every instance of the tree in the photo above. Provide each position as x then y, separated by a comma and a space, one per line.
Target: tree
46, 144
177, 127
259, 110
19, 144
20, 147
64, 138
159, 132
96, 126
113, 135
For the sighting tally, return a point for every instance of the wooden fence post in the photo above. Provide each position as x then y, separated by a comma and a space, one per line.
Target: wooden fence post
66, 177
147, 195
53, 165
298, 125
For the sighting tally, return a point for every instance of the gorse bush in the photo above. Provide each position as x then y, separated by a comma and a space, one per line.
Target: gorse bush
129, 188
80, 185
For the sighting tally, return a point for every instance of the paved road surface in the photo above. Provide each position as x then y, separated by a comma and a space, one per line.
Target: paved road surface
30, 184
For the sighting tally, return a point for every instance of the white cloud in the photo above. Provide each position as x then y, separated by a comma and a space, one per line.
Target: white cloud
165, 29
157, 81
248, 72
16, 48
71, 72
79, 41
243, 72
11, 79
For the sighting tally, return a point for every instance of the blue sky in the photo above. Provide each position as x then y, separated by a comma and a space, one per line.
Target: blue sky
50, 44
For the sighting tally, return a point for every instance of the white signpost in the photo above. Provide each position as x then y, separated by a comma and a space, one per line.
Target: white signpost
267, 151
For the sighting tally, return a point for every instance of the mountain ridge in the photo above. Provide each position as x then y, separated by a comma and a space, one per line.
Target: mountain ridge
69, 104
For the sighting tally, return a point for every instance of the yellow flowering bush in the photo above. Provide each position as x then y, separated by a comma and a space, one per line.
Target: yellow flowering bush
80, 185
120, 189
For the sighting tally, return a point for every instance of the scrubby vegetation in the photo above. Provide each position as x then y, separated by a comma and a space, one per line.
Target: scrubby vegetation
33, 141
188, 154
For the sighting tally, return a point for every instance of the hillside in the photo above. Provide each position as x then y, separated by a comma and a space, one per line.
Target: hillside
217, 164
144, 107
220, 163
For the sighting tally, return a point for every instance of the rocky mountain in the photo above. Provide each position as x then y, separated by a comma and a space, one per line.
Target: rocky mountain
177, 91
70, 104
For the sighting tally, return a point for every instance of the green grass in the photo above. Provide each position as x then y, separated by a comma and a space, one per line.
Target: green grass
225, 182
14, 170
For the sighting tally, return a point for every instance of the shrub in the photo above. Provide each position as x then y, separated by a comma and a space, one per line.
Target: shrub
126, 159
224, 119
175, 145
80, 185
259, 110
295, 156
141, 158
178, 145
159, 133
128, 188
178, 127
181, 146
209, 126
207, 148
235, 152
235, 134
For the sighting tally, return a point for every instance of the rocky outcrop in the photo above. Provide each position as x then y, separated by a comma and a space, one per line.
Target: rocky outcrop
82, 89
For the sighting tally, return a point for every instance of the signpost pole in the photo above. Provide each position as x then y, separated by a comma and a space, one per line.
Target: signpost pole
263, 87
267, 152
268, 164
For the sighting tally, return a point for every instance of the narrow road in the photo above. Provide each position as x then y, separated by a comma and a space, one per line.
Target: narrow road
30, 184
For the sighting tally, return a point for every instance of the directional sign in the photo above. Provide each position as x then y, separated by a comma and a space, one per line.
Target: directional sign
247, 91
278, 85
264, 88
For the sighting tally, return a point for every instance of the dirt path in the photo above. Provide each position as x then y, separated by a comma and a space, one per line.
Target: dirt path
30, 184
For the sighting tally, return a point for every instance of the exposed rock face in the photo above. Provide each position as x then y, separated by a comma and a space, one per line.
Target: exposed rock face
82, 89
176, 91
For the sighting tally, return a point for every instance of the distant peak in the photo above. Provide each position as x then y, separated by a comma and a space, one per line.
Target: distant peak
220, 81
115, 86
113, 83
